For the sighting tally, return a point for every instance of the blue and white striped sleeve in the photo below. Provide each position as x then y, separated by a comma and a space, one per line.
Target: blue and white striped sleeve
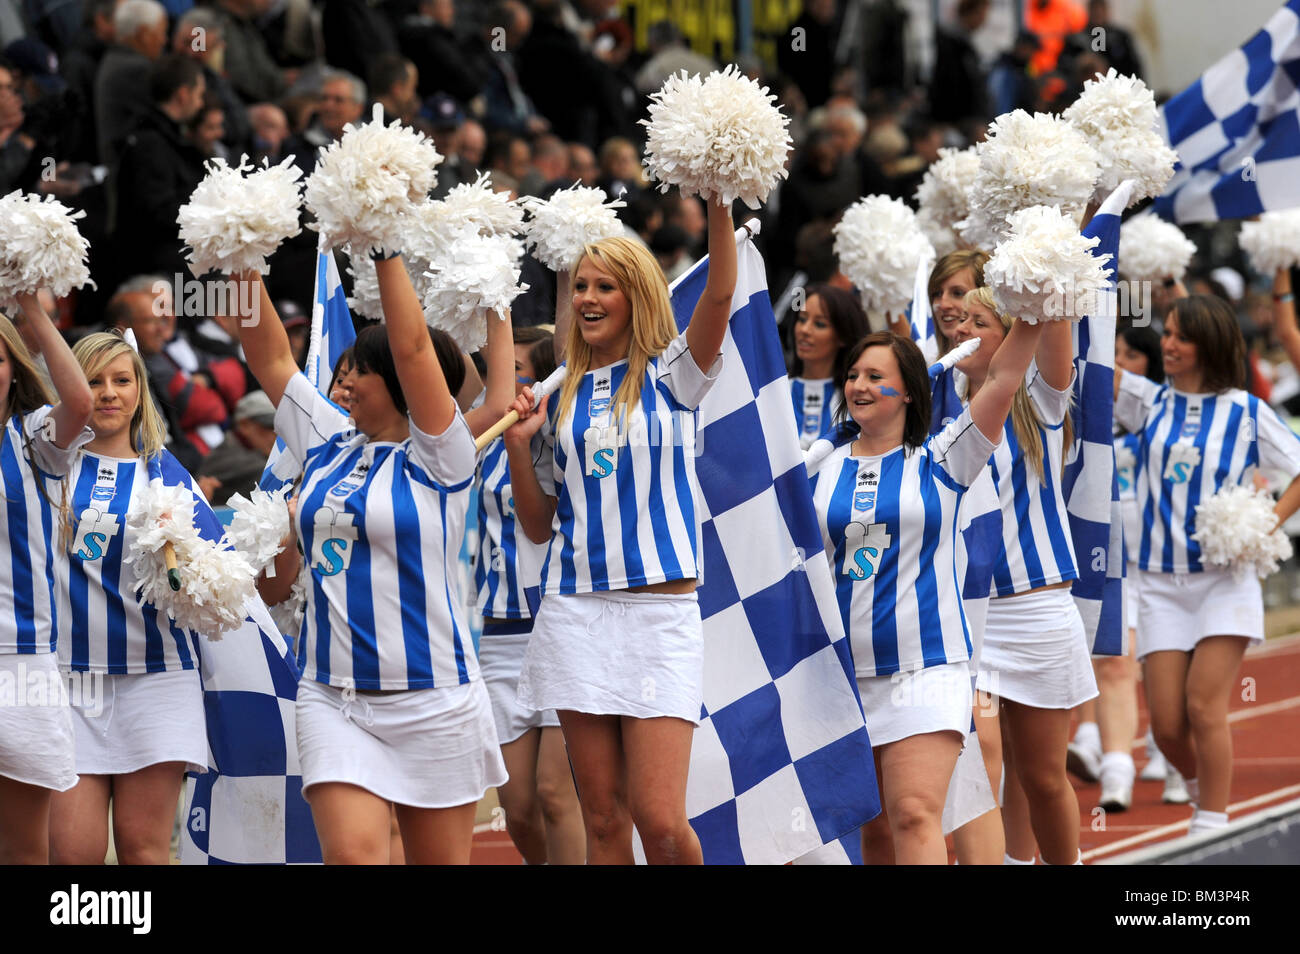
448, 458
305, 419
49, 457
1279, 446
1052, 404
1137, 395
961, 449
677, 367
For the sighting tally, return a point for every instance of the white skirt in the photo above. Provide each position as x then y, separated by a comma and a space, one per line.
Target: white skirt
36, 742
427, 748
934, 699
500, 658
619, 653
128, 722
1177, 610
1036, 651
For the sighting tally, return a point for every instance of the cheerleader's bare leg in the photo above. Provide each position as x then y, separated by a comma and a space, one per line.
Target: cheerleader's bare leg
566, 842
79, 822
982, 841
24, 823
1211, 681
1164, 675
144, 811
658, 753
518, 797
599, 767
437, 836
1019, 831
1037, 740
915, 772
352, 823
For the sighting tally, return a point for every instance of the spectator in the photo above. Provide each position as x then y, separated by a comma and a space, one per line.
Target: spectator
356, 34
669, 54
821, 184
195, 413
1052, 21
236, 464
198, 35
569, 87
807, 53
208, 128
341, 100
671, 250
393, 81
270, 130
505, 105
612, 47
620, 168
159, 169
428, 38
79, 64
1010, 84
122, 81
1113, 42
298, 328
551, 164
509, 153
248, 61
582, 164
471, 147
957, 89
445, 120
15, 146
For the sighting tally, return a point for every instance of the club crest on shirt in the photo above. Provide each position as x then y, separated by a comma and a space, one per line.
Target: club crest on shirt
864, 491
1192, 422
353, 481
864, 548
601, 392
1183, 459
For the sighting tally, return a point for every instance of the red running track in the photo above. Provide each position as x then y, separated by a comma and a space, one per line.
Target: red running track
1266, 760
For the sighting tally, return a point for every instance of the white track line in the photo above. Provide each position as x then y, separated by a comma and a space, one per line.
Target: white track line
1180, 827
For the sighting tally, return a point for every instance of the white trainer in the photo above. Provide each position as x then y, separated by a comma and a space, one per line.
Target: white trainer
1083, 760
1176, 792
1156, 767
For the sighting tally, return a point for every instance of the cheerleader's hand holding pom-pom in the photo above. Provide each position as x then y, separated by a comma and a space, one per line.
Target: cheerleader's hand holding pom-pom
40, 247
1273, 241
720, 137
1238, 528
234, 222
1045, 269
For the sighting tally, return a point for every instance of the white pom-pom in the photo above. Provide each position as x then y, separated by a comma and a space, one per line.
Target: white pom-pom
1151, 249
1118, 116
259, 526
40, 247
571, 218
879, 244
476, 204
233, 222
367, 181
1237, 528
1026, 161
1045, 269
364, 300
474, 275
215, 582
944, 196
1273, 242
719, 137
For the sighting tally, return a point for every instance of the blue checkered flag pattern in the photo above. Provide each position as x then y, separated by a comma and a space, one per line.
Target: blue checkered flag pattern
1091, 490
781, 763
1237, 130
332, 333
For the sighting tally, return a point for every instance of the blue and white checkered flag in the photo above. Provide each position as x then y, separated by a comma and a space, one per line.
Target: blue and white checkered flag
1237, 132
781, 763
332, 333
248, 808
1090, 487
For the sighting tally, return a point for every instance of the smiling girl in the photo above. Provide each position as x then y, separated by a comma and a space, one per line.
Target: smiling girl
617, 646
830, 323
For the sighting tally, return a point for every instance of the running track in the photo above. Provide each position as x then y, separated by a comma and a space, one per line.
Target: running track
1266, 748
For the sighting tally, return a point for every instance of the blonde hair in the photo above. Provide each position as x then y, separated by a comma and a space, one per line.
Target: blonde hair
27, 390
642, 281
97, 351
1025, 420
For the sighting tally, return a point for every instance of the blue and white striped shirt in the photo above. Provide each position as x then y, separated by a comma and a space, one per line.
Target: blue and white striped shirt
1192, 446
381, 525
626, 499
30, 466
1037, 549
507, 560
1126, 476
102, 626
890, 527
815, 401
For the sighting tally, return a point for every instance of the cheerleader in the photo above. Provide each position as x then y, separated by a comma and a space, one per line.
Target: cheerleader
887, 504
830, 322
539, 801
134, 749
390, 706
617, 647
1035, 653
36, 741
1200, 433
1102, 744
952, 277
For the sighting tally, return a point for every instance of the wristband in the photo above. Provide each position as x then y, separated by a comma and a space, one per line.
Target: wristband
1284, 299
379, 255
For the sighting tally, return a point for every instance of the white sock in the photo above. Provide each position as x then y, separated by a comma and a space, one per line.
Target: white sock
1077, 861
1207, 821
1119, 764
1088, 735
1008, 860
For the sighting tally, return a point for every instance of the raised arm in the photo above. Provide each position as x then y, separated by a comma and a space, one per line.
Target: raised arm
266, 343
75, 401
708, 325
563, 314
1284, 320
1056, 354
992, 403
499, 354
429, 402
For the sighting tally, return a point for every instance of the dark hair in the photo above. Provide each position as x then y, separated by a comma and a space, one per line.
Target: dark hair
450, 359
388, 69
346, 360
541, 354
1209, 322
372, 355
173, 71
847, 319
916, 382
1147, 342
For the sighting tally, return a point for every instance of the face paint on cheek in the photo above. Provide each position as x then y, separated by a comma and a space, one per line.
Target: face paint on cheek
887, 391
